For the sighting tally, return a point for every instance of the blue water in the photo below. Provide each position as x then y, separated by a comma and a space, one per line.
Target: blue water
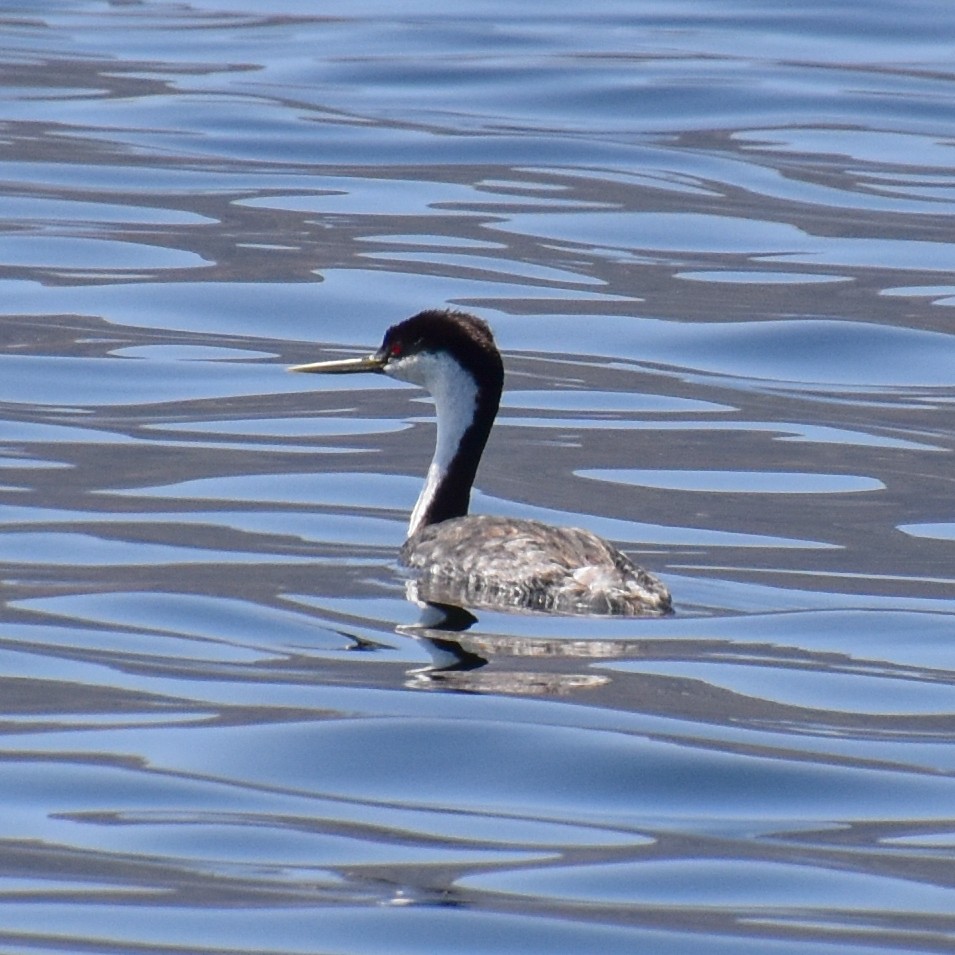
715, 244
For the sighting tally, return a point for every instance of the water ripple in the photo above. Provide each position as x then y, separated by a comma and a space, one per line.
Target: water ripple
714, 245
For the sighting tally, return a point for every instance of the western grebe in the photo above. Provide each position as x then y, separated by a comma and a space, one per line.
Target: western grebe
477, 560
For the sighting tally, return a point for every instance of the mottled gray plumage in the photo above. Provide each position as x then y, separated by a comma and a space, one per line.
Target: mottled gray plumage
494, 562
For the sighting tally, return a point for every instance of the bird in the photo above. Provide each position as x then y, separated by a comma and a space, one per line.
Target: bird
477, 560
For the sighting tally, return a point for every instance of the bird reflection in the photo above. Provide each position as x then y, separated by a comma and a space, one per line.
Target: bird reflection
447, 654
457, 666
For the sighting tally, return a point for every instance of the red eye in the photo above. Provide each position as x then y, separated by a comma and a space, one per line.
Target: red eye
395, 350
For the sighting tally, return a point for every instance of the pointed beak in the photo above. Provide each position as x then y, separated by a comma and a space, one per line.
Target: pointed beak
343, 366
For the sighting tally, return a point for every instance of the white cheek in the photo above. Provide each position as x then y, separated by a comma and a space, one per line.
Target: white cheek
436, 371
453, 389
413, 369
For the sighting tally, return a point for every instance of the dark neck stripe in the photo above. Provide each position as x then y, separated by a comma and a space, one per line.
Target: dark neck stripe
469, 341
453, 495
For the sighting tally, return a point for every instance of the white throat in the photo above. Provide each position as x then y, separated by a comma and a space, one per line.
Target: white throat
455, 399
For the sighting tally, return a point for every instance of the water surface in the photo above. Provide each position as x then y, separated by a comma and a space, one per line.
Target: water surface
714, 242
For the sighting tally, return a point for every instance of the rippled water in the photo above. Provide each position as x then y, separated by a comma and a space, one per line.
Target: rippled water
715, 243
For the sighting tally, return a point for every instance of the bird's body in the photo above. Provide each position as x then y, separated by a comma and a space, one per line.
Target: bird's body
478, 560
487, 561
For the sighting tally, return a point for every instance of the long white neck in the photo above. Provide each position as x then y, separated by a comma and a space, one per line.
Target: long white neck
455, 394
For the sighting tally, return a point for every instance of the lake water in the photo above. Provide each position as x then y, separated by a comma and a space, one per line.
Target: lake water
716, 241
